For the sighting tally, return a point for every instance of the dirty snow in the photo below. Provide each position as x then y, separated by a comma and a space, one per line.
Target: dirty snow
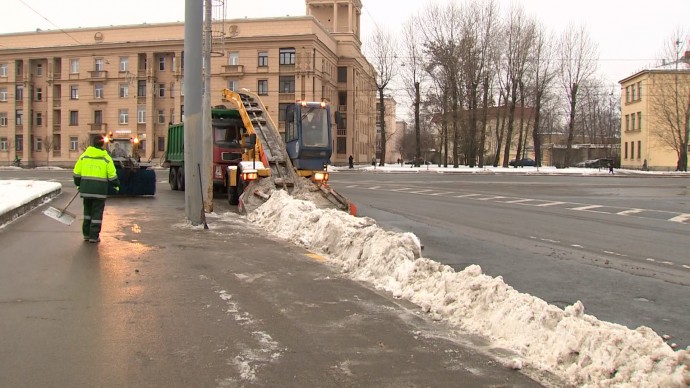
567, 342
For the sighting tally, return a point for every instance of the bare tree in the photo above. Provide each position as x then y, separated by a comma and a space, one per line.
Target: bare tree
48, 145
542, 78
520, 34
670, 98
382, 52
578, 56
412, 75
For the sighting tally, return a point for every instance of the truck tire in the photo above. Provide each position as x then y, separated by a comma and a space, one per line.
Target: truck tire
180, 179
172, 178
233, 197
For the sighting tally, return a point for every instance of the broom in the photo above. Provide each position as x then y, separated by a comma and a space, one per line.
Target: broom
62, 215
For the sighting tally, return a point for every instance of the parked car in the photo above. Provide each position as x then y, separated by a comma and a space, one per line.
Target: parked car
526, 162
596, 163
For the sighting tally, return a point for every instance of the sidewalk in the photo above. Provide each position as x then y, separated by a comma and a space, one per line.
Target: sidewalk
171, 304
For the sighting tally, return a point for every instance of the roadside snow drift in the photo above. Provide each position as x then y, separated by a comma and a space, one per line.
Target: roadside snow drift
569, 343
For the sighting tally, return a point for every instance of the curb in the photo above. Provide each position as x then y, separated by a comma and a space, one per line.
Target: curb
19, 211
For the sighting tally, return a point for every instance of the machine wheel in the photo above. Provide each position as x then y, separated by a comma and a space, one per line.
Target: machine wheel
180, 179
172, 178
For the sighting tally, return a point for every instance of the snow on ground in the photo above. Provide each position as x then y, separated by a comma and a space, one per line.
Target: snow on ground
569, 343
14, 194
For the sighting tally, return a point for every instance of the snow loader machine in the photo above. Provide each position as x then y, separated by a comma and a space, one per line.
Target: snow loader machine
137, 178
296, 163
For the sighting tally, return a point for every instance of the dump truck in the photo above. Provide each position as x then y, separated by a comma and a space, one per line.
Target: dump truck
136, 177
296, 162
226, 126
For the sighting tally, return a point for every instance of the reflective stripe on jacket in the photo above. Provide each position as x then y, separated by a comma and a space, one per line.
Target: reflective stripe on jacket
94, 172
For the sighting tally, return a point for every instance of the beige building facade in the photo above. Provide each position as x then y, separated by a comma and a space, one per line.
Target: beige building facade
393, 136
58, 89
654, 110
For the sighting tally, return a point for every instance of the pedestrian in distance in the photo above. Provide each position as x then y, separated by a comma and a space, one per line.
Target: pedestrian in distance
610, 168
93, 175
351, 162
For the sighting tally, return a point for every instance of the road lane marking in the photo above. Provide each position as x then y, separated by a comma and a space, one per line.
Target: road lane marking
549, 204
615, 254
630, 212
681, 218
519, 201
588, 207
420, 191
490, 198
443, 193
466, 195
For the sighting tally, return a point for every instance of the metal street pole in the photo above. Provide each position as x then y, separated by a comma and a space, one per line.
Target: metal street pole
192, 107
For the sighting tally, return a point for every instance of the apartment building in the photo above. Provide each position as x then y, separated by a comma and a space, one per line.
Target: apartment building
58, 89
654, 111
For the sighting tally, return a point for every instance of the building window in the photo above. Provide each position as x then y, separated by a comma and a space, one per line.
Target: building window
98, 91
141, 115
233, 85
627, 122
639, 90
73, 117
98, 117
3, 119
39, 144
19, 117
161, 90
342, 74
39, 119
287, 56
161, 117
3, 70
124, 90
161, 63
286, 84
3, 94
73, 143
74, 66
639, 120
632, 150
281, 111
341, 145
19, 143
632, 121
639, 149
161, 143
39, 69
627, 94
3, 144
141, 88
233, 58
124, 64
124, 116
263, 58
39, 94
262, 87
74, 92
19, 93
99, 64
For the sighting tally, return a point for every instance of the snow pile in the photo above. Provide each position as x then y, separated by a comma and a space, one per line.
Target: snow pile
575, 346
16, 193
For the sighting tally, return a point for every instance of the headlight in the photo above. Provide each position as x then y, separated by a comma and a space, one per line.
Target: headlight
321, 176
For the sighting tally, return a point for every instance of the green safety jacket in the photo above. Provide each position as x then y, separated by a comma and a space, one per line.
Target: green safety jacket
94, 172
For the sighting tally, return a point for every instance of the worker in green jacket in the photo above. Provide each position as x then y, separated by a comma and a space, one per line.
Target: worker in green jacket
94, 172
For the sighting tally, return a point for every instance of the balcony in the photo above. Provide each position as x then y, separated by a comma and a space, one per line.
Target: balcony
98, 127
57, 127
232, 70
73, 76
98, 75
57, 103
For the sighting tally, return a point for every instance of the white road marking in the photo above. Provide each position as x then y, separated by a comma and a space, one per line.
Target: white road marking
630, 212
443, 193
681, 218
576, 246
490, 198
667, 262
686, 266
519, 201
466, 195
420, 191
549, 204
588, 207
650, 259
374, 187
615, 254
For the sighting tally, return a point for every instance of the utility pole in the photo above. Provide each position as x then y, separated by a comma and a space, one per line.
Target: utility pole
192, 108
206, 140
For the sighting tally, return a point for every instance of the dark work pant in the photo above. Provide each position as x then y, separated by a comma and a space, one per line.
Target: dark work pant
93, 217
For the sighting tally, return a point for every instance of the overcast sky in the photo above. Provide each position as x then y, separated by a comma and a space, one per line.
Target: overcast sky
630, 34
